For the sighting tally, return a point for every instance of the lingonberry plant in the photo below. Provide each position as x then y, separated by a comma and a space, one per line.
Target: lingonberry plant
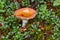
45, 26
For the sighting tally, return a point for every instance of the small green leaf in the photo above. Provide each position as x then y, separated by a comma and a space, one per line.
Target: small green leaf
56, 3
2, 11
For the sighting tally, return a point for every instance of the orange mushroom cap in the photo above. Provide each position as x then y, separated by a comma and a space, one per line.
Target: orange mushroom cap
25, 13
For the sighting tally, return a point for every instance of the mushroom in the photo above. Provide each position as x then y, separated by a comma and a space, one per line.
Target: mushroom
25, 14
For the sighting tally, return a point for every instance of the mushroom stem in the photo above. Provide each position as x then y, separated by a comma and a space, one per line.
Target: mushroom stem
24, 22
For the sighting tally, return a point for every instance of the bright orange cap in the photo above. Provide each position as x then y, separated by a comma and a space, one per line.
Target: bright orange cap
25, 13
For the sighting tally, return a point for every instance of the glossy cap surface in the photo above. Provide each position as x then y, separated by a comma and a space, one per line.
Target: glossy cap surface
25, 13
